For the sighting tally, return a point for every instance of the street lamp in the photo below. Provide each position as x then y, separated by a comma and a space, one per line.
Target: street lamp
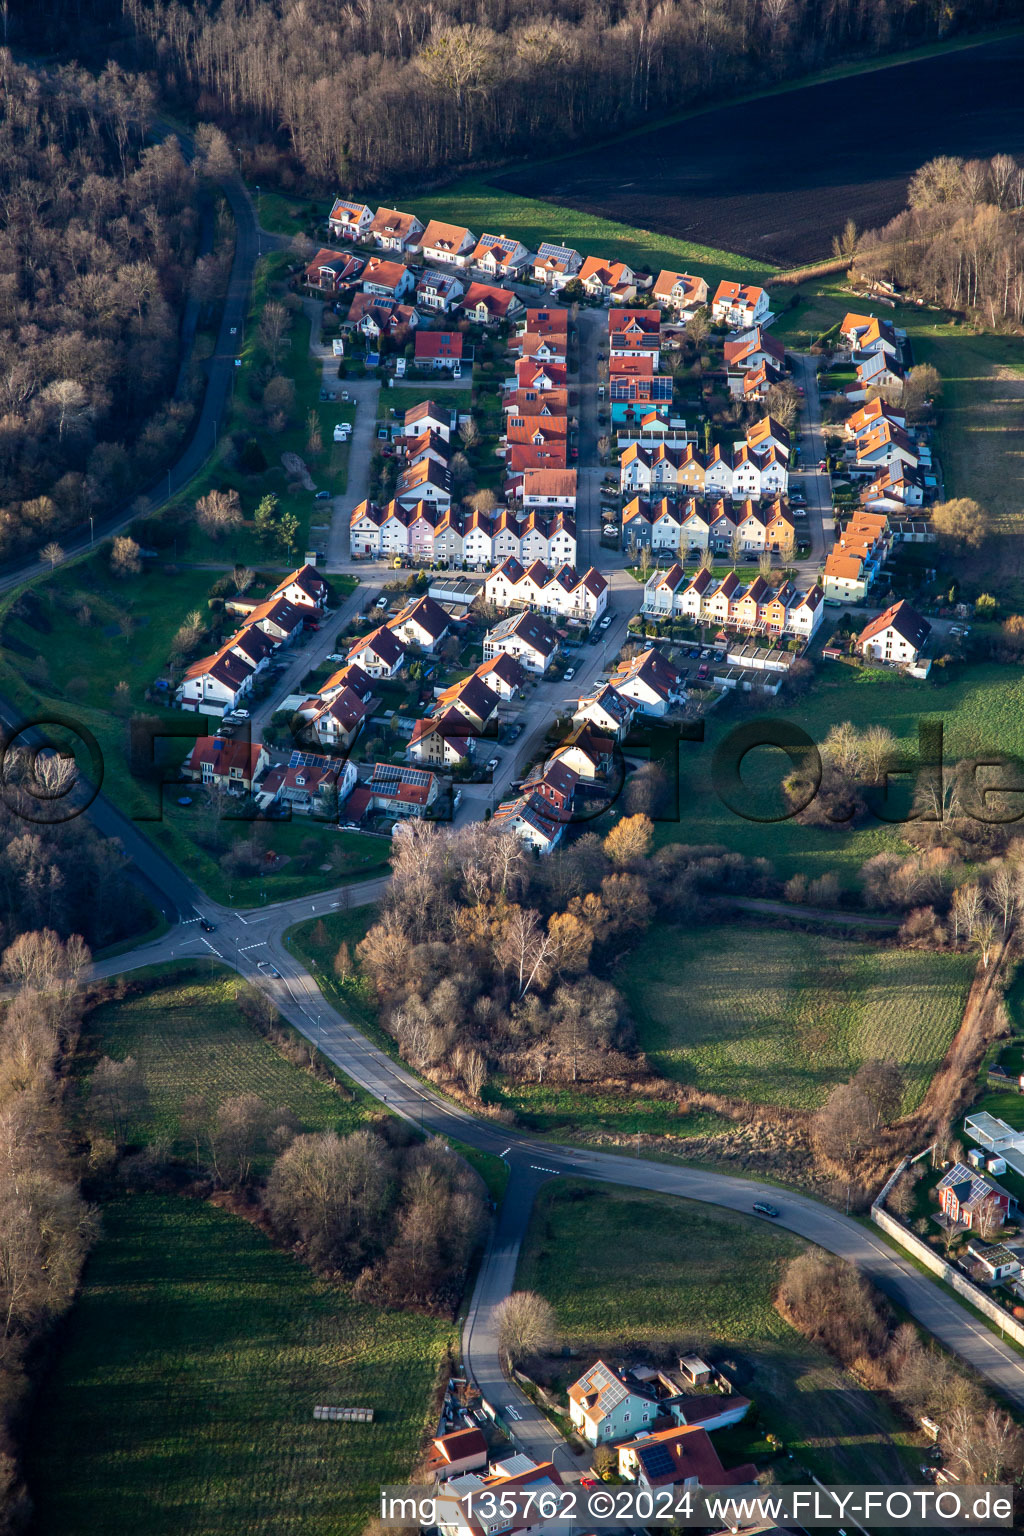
92, 537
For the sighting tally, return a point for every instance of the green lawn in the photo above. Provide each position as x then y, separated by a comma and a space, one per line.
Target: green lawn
404, 397
636, 1274
565, 1110
54, 661
180, 1402
189, 1037
981, 709
479, 206
780, 1017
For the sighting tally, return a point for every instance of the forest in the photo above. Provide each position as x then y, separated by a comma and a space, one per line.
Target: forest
384, 93
958, 244
98, 236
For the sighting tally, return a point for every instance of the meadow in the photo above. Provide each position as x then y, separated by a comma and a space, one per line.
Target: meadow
180, 1402
190, 1038
778, 1017
96, 670
635, 1275
981, 709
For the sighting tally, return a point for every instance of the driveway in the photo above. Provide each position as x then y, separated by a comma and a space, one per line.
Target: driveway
308, 654
545, 700
366, 393
817, 486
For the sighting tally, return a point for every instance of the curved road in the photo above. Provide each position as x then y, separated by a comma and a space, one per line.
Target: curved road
243, 940
250, 243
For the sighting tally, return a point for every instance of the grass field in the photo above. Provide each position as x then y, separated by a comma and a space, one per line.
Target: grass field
480, 206
181, 1398
190, 1038
567, 1110
52, 660
639, 1274
981, 710
780, 1017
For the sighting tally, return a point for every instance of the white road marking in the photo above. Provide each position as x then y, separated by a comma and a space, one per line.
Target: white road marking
215, 951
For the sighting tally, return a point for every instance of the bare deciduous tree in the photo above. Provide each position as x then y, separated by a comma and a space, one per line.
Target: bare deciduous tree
526, 1325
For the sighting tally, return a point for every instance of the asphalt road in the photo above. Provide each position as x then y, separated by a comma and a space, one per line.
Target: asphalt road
816, 485
245, 941
250, 243
253, 943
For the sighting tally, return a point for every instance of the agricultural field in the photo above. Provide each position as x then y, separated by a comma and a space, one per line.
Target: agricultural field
641, 1275
190, 1038
779, 1017
699, 177
181, 1399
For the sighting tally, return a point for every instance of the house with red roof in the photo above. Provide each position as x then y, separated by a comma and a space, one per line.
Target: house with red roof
609, 280
438, 349
388, 279
394, 790
739, 304
679, 292
350, 221
226, 763
394, 231
682, 1457
329, 271
450, 244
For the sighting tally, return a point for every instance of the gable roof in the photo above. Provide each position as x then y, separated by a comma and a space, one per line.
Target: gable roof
531, 628
434, 344
222, 754
425, 612
445, 237
383, 643
906, 621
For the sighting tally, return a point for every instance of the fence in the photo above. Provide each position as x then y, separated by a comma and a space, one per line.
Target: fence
939, 1266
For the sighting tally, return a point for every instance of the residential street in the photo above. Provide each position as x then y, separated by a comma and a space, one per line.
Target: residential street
365, 393
817, 486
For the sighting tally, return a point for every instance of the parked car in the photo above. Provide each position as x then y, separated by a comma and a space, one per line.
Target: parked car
241, 714
323, 496
381, 602
569, 674
492, 764
702, 671
605, 621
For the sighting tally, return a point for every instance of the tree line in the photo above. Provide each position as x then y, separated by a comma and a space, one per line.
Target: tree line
372, 95
98, 235
958, 242
45, 1225
830, 1302
487, 960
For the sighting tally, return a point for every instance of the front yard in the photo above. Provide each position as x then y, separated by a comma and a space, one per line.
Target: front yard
648, 1277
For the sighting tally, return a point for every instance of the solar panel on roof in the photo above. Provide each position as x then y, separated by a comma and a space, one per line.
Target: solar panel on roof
308, 760
658, 1461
